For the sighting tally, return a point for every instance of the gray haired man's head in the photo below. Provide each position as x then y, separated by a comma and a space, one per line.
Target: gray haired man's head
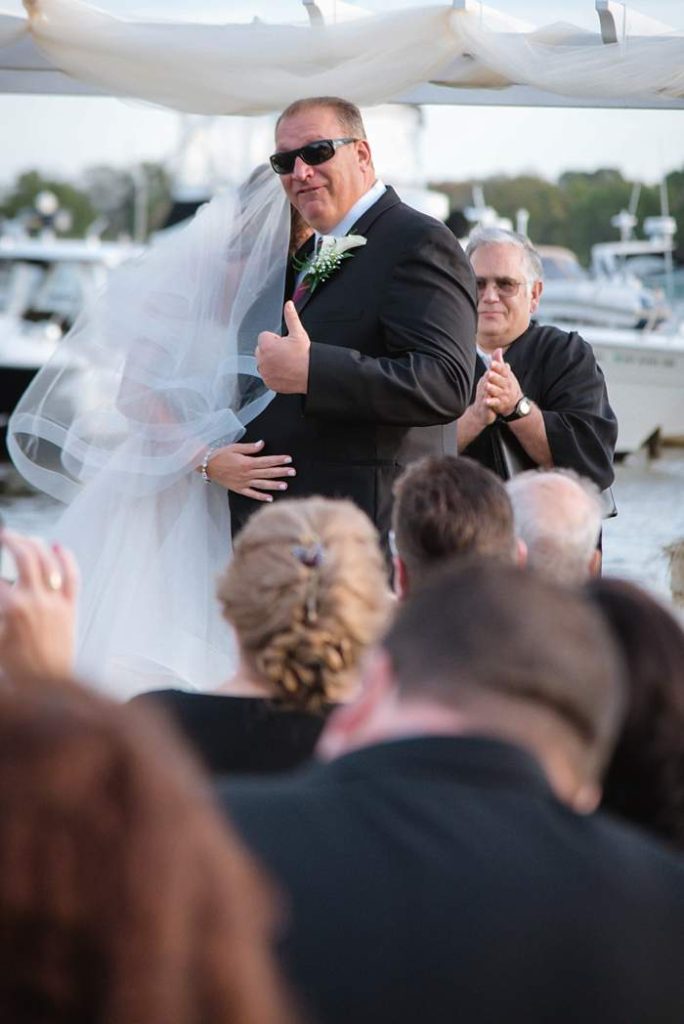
500, 236
558, 515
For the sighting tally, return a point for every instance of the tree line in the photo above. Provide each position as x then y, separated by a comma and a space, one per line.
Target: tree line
575, 211
110, 201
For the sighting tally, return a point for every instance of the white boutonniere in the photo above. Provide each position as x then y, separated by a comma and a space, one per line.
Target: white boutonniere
325, 262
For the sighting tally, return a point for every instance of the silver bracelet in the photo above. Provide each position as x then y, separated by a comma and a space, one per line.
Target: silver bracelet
205, 462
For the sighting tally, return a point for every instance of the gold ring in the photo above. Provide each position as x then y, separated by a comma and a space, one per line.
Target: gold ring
54, 581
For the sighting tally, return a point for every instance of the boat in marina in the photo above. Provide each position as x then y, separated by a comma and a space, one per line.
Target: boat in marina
618, 290
44, 284
637, 337
619, 299
644, 371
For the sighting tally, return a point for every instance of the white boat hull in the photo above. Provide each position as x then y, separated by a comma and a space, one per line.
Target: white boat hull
600, 304
644, 372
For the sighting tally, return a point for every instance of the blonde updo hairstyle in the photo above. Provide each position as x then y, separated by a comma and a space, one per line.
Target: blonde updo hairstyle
306, 592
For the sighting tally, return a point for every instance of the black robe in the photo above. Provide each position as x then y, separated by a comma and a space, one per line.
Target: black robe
559, 373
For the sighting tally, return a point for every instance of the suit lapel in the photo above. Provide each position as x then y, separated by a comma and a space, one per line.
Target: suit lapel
388, 199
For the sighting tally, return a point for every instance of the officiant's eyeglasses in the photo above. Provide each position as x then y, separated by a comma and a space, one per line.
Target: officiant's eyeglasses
506, 286
313, 154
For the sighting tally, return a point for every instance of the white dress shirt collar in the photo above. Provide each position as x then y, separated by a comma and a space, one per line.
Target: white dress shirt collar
357, 211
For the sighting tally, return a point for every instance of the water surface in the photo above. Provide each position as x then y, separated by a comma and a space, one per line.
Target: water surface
649, 495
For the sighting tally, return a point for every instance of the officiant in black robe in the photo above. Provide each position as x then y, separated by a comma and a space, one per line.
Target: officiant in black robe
539, 397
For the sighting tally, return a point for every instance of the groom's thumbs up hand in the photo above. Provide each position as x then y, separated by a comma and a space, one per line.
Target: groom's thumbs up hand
295, 327
283, 360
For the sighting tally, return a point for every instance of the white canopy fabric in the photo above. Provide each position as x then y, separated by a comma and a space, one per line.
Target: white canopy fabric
430, 54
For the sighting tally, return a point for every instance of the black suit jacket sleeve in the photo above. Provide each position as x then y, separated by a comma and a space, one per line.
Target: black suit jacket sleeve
424, 367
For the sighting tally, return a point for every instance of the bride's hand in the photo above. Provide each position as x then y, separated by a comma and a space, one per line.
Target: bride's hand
239, 468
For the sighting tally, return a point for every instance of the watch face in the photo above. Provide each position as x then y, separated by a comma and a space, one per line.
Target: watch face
523, 408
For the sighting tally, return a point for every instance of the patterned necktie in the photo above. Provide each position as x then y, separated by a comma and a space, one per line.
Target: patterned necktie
305, 284
301, 290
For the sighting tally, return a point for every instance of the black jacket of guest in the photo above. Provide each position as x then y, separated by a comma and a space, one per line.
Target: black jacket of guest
237, 734
391, 362
559, 372
439, 880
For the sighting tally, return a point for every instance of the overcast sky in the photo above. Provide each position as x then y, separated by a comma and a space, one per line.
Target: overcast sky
61, 135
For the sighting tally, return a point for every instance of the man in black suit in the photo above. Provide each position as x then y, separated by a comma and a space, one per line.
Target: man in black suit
441, 865
375, 359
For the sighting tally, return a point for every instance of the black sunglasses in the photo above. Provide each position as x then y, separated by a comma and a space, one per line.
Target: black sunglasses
313, 153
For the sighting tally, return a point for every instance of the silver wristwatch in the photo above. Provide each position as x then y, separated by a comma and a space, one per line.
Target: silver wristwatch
523, 407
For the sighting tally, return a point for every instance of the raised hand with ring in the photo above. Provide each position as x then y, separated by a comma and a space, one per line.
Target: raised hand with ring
55, 580
37, 610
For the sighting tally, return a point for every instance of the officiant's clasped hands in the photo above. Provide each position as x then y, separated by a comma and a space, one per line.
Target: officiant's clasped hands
283, 360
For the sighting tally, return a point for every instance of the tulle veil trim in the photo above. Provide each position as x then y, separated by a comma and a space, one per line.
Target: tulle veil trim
159, 366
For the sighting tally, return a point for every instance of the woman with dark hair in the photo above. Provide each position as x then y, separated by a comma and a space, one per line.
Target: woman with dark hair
122, 896
645, 778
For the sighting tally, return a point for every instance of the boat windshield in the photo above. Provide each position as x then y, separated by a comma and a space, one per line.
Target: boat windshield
562, 267
44, 290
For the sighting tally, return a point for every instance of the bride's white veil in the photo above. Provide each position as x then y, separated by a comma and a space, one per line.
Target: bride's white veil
159, 367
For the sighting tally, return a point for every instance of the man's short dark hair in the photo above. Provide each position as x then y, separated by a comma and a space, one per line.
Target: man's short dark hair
482, 631
347, 113
447, 506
